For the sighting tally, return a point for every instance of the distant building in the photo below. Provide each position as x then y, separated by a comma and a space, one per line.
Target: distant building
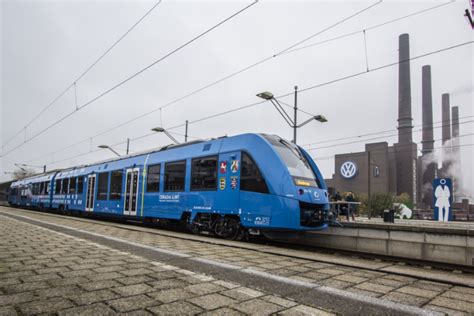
398, 169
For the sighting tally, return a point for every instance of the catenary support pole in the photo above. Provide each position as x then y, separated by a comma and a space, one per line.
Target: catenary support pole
186, 132
369, 211
295, 123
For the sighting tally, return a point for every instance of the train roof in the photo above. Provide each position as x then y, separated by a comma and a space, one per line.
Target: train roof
80, 169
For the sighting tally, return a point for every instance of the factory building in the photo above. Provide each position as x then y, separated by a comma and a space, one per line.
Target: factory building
398, 169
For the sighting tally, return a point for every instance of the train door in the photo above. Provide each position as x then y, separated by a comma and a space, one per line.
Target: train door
90, 194
131, 191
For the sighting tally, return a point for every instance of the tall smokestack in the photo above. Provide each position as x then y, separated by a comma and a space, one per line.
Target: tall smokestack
446, 119
446, 135
427, 111
455, 121
456, 173
404, 91
405, 149
428, 166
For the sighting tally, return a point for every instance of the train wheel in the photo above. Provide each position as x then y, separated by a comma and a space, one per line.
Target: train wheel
227, 227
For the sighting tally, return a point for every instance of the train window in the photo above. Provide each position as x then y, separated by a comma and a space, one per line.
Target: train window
102, 186
175, 172
72, 185
46, 187
250, 177
116, 185
34, 189
204, 174
153, 178
80, 185
298, 165
57, 187
41, 188
65, 186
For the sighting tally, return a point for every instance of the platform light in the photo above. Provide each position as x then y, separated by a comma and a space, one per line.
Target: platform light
162, 130
158, 129
292, 122
109, 148
321, 118
265, 95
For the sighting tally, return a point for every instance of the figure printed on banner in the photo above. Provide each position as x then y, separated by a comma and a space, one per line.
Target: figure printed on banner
442, 199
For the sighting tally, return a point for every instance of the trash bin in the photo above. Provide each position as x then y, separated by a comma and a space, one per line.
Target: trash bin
386, 216
392, 216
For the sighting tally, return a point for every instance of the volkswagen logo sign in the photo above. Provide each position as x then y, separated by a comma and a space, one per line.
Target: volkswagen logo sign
348, 169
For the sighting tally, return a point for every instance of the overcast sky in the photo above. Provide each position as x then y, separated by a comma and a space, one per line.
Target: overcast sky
46, 45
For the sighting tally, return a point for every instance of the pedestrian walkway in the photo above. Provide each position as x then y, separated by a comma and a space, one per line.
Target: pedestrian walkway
42, 271
255, 273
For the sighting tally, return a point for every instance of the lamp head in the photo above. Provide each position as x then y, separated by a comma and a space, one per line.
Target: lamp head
103, 146
320, 118
265, 95
158, 129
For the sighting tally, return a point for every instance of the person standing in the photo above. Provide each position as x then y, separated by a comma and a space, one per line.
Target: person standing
350, 207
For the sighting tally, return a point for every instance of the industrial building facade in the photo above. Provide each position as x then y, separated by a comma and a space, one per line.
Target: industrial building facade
398, 169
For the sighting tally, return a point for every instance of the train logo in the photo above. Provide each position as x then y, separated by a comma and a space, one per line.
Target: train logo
316, 195
233, 183
222, 183
223, 166
264, 220
348, 169
235, 166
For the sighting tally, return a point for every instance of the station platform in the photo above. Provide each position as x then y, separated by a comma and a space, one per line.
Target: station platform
430, 241
55, 264
47, 272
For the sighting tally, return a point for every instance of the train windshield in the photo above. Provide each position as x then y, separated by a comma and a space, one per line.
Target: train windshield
297, 164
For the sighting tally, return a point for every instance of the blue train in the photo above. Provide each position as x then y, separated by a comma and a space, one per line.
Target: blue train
251, 182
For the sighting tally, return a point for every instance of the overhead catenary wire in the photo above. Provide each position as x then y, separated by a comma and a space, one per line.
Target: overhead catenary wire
74, 83
376, 133
328, 83
316, 86
371, 27
383, 151
373, 152
134, 75
379, 137
255, 64
379, 25
225, 78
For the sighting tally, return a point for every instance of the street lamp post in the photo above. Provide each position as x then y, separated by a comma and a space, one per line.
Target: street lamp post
109, 148
292, 122
162, 130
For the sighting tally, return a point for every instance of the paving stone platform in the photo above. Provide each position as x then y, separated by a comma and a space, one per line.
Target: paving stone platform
45, 272
115, 276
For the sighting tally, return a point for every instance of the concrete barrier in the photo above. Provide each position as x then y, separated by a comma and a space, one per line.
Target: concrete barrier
428, 243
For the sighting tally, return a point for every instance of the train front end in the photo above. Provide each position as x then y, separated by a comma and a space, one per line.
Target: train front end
300, 194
